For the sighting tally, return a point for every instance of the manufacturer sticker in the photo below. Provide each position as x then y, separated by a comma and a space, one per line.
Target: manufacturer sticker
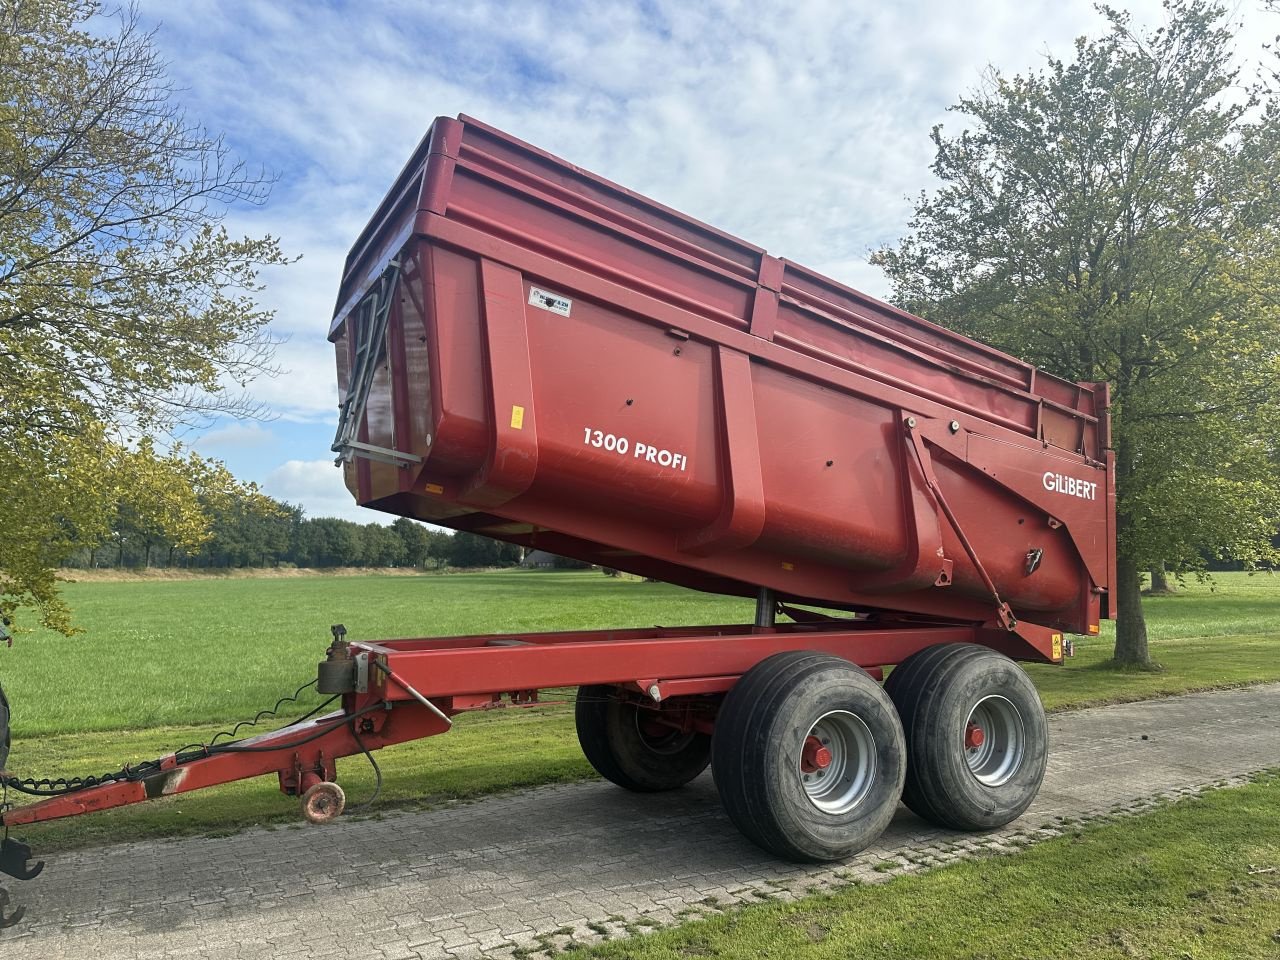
546, 300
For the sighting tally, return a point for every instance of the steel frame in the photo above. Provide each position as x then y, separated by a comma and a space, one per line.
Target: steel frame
413, 687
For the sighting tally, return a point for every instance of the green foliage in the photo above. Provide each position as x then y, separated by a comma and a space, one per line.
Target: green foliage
98, 490
418, 541
468, 550
124, 304
1115, 217
233, 525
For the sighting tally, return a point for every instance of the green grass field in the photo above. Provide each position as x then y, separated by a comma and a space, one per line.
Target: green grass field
1175, 883
166, 663
182, 652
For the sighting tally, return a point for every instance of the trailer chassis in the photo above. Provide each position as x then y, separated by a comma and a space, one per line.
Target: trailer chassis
394, 691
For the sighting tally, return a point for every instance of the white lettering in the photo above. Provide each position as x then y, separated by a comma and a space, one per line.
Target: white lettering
1071, 486
613, 443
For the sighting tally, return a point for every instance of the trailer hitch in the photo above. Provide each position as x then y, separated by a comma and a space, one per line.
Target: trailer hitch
14, 857
14, 860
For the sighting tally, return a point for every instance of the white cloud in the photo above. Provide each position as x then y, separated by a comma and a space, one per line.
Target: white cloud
801, 128
236, 436
317, 487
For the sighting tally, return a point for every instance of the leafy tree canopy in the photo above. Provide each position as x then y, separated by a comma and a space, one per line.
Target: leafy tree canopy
1115, 217
125, 306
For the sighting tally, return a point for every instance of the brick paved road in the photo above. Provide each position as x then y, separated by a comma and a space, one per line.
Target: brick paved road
586, 859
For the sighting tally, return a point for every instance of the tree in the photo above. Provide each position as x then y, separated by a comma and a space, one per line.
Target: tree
472, 550
246, 527
1114, 217
415, 540
125, 306
155, 499
382, 546
93, 488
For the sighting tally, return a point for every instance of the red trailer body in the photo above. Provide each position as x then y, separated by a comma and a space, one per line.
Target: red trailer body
564, 364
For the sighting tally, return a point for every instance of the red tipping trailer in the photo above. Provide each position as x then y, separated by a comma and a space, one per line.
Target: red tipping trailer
532, 353
571, 366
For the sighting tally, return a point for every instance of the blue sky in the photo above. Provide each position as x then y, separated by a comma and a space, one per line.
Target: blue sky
800, 128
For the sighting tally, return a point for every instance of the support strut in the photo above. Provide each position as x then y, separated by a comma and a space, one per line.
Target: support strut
766, 608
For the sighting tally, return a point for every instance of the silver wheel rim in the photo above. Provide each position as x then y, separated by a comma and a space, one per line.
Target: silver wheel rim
847, 780
1004, 741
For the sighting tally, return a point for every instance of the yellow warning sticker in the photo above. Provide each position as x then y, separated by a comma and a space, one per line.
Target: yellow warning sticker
788, 565
434, 488
1056, 652
1093, 628
517, 417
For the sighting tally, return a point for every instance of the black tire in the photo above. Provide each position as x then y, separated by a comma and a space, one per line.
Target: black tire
611, 732
951, 781
758, 747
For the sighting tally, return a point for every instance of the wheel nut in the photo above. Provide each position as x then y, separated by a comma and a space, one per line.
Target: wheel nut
814, 757
973, 737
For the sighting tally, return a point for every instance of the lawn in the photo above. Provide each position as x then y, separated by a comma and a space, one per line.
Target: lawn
186, 652
166, 663
1173, 883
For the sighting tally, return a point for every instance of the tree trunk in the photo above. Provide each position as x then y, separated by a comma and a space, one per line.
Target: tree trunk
1131, 628
1160, 580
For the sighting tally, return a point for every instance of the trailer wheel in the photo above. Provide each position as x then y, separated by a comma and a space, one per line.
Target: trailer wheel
977, 739
620, 740
323, 802
808, 756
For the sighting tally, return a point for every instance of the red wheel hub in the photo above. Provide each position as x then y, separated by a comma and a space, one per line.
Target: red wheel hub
974, 737
814, 756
